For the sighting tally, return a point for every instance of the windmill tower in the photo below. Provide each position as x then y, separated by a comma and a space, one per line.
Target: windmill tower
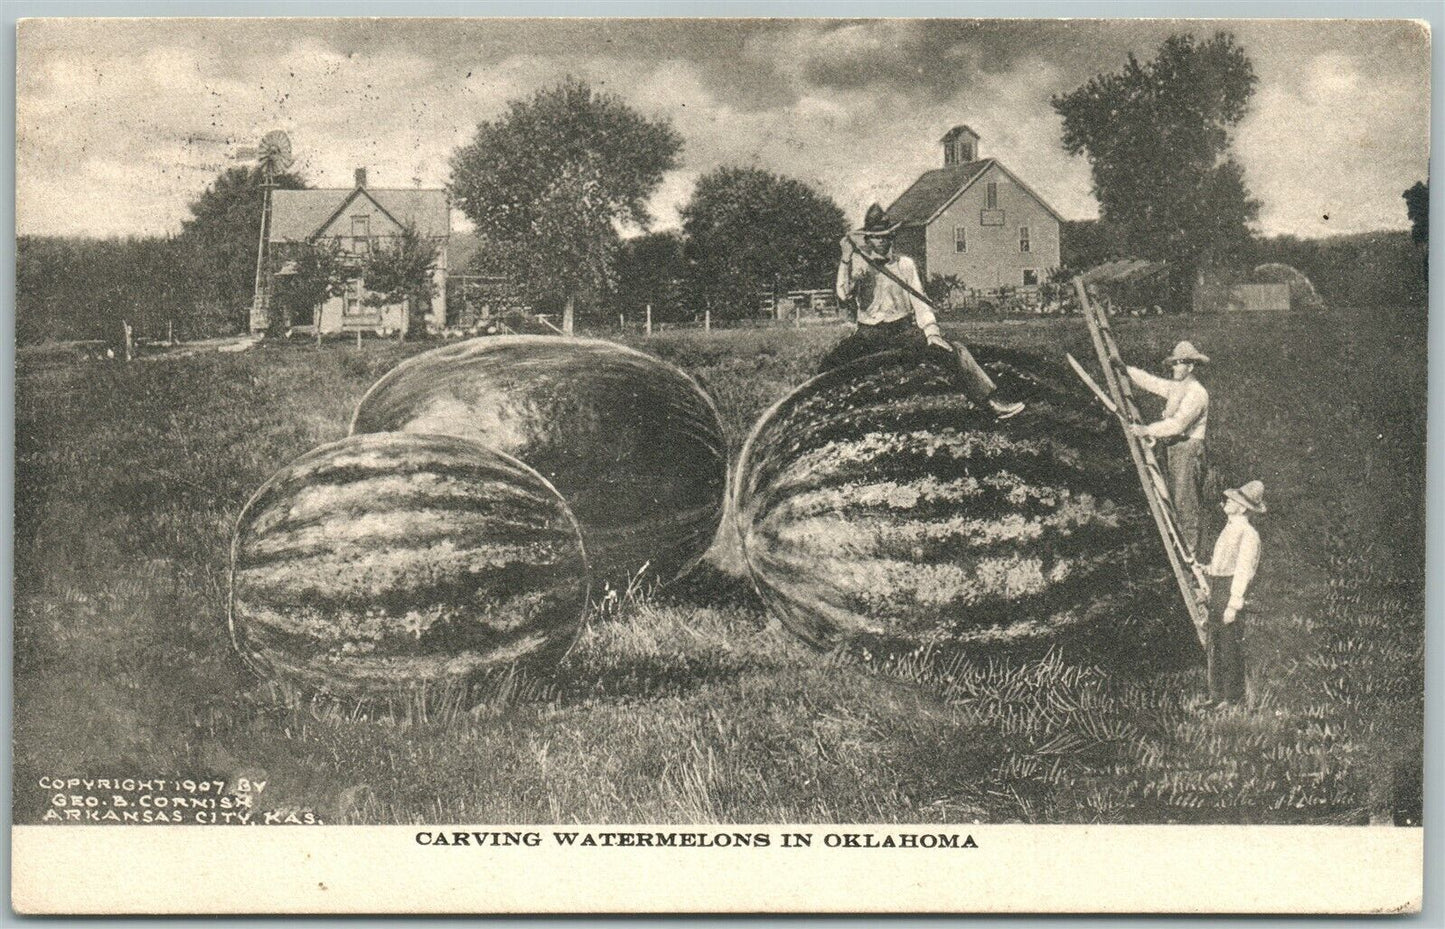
273, 154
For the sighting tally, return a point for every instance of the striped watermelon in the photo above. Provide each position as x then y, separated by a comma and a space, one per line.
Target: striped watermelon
876, 504
382, 563
632, 443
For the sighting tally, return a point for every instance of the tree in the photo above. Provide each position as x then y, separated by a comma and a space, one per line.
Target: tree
1086, 243
1157, 138
550, 180
1417, 208
651, 271
749, 230
73, 288
315, 272
226, 225
940, 288
400, 270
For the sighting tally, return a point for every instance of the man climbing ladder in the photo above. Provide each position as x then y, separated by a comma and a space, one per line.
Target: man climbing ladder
1181, 429
1193, 585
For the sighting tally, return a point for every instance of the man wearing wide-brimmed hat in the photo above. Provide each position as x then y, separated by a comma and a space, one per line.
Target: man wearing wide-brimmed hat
1181, 429
1236, 558
892, 313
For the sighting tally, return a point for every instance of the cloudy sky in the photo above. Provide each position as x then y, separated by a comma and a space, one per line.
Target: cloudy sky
121, 122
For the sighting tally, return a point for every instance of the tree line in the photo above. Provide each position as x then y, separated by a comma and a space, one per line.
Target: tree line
1158, 135
552, 184
557, 187
195, 284
67, 288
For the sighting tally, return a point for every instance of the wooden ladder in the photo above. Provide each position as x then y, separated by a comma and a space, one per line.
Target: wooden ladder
1193, 584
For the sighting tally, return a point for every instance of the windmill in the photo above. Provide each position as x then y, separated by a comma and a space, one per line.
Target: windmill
273, 155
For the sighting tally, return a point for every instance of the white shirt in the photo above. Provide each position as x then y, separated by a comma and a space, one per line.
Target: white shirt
1186, 405
1236, 553
890, 302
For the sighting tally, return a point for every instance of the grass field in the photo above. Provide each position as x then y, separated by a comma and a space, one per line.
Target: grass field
691, 706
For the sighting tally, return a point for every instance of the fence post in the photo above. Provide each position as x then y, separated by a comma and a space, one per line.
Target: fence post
648, 328
358, 340
707, 320
622, 321
797, 316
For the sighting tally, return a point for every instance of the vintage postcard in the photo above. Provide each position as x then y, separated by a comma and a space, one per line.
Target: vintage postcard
719, 465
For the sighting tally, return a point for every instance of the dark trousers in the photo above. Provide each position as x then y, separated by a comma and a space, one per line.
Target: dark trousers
903, 335
1185, 461
1224, 645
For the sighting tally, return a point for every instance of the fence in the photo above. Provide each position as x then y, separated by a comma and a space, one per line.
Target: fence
797, 303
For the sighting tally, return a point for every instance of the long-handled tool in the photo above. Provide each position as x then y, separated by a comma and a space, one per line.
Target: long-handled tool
1093, 385
964, 355
1160, 485
884, 270
1188, 574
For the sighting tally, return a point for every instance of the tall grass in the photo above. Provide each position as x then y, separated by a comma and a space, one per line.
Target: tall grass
691, 704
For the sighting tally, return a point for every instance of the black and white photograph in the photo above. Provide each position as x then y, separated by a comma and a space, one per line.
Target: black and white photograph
590, 447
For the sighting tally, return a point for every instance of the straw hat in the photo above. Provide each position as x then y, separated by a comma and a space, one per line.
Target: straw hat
1250, 496
877, 222
1185, 351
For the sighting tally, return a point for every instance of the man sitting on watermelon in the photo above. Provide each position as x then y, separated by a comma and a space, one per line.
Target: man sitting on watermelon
894, 314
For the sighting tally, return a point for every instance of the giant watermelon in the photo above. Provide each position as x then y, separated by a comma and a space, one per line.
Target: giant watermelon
634, 446
384, 563
876, 504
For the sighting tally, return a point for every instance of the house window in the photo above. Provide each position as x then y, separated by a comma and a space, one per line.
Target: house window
992, 195
1023, 238
1031, 278
960, 238
353, 298
360, 234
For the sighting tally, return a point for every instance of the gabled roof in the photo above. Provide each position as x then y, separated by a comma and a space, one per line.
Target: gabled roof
957, 131
921, 203
933, 190
296, 214
299, 215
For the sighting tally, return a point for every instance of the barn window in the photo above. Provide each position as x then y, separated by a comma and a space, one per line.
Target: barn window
1031, 278
960, 238
1023, 238
992, 195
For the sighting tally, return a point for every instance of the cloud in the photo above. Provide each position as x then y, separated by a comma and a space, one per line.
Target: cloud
1329, 150
121, 122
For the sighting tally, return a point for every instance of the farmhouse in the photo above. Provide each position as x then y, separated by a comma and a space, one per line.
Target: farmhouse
975, 219
357, 220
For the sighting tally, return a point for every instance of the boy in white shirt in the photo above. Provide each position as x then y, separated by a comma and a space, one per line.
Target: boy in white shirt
1236, 558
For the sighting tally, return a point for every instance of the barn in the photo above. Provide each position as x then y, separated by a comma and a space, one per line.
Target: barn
975, 219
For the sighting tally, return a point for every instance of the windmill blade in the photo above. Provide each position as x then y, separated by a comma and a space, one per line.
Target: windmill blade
276, 150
